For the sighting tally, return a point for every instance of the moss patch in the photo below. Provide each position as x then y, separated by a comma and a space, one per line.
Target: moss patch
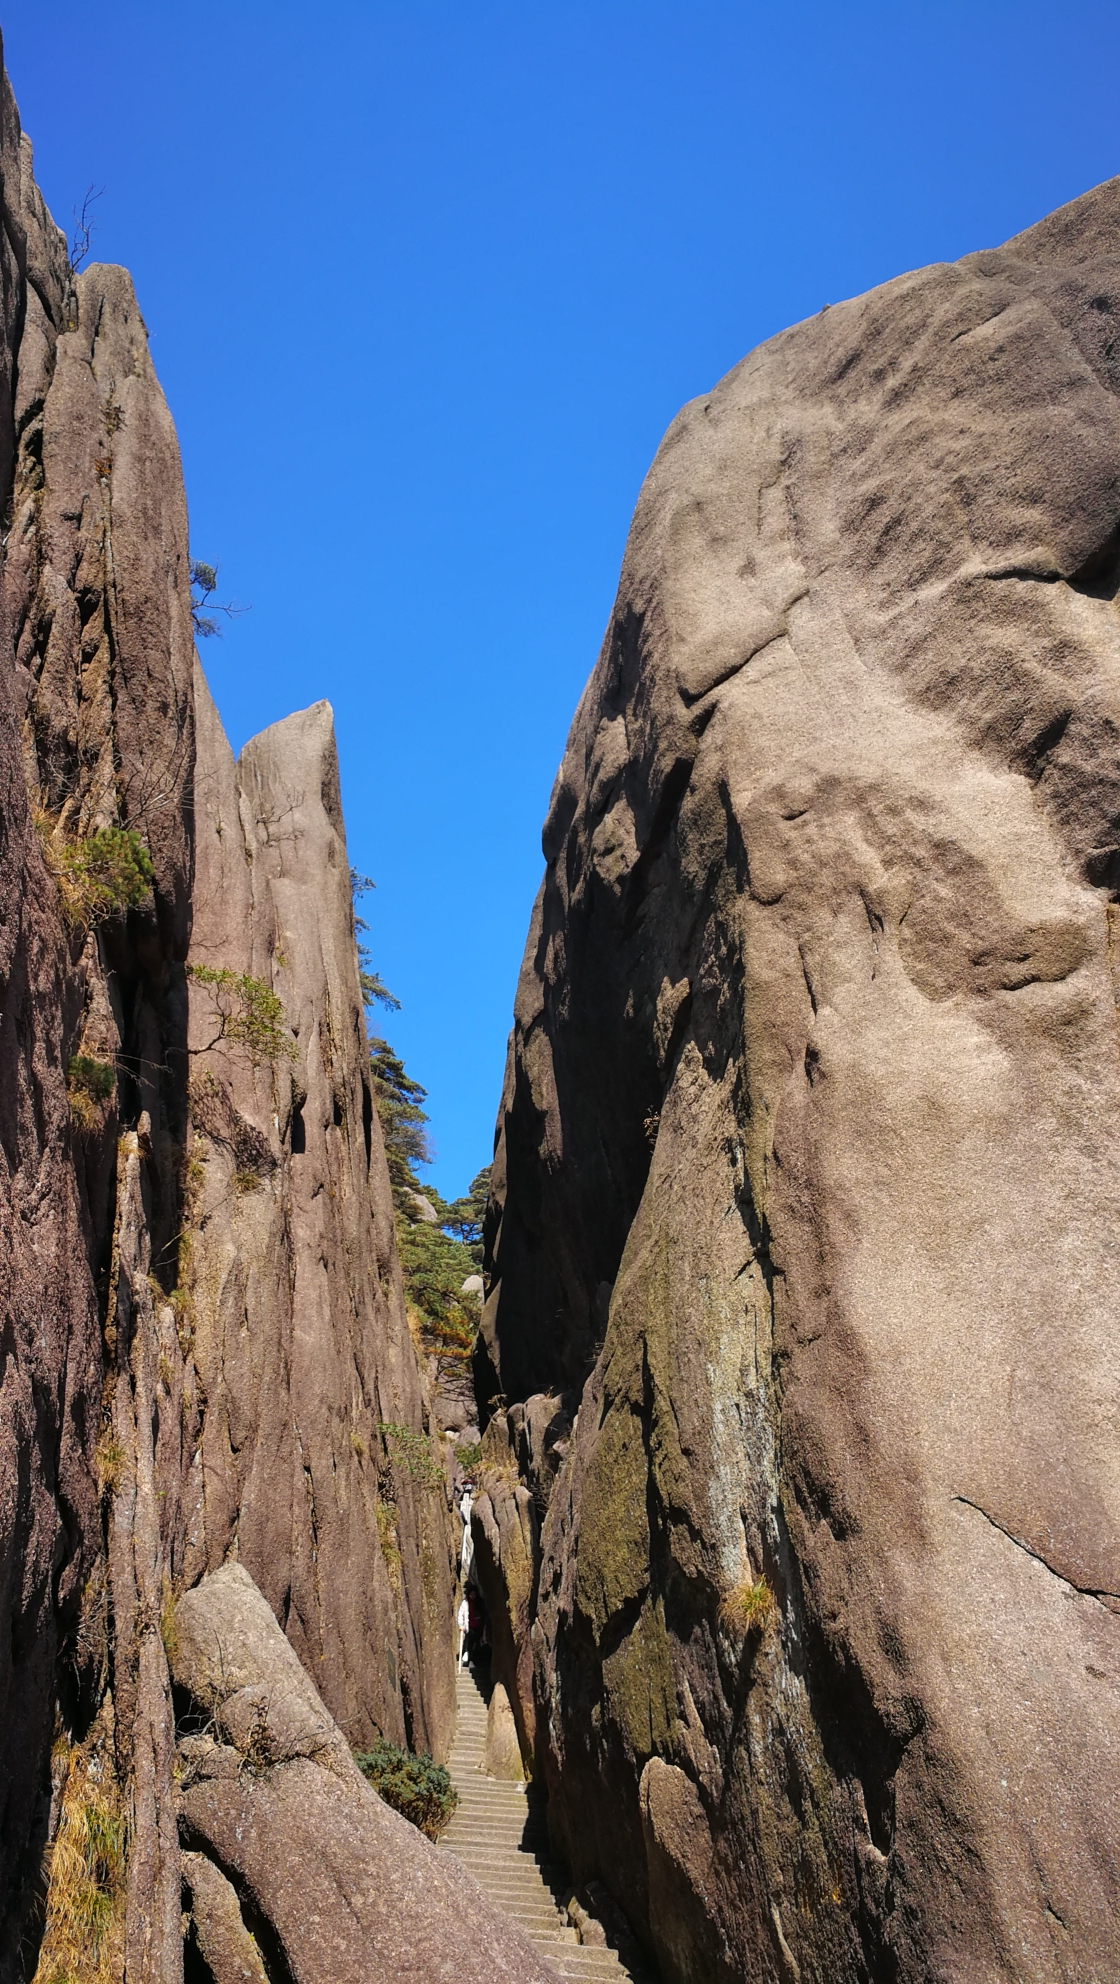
612, 1565
638, 1678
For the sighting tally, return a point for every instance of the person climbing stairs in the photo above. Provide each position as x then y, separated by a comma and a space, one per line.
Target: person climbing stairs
500, 1835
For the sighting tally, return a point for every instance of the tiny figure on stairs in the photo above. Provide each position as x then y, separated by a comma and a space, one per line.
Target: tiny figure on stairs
463, 1621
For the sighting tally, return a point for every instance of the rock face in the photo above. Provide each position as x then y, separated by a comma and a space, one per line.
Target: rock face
95, 733
340, 1887
205, 1346
314, 1463
810, 1155
502, 1755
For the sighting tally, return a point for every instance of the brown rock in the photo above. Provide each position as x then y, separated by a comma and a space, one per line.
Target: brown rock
810, 1154
229, 1950
300, 1335
506, 1537
502, 1755
69, 714
348, 1888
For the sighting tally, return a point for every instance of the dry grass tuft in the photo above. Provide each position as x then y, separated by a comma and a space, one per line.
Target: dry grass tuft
83, 1942
749, 1607
388, 1539
111, 1463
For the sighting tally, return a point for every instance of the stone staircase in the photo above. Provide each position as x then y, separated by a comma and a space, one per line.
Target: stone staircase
500, 1835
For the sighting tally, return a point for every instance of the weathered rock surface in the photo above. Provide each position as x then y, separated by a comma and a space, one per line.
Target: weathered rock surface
229, 1950
808, 1173
345, 1888
135, 1369
92, 693
502, 1755
314, 1464
521, 1454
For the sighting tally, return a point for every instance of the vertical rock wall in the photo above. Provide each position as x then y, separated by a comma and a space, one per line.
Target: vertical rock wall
50, 1383
805, 1202
297, 1311
155, 1330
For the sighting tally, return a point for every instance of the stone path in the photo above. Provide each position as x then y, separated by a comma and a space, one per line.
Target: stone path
500, 1835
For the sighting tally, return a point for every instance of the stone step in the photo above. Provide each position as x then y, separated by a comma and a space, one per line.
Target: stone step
500, 1834
578, 1962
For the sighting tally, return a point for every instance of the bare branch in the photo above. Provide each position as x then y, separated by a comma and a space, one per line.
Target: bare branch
83, 229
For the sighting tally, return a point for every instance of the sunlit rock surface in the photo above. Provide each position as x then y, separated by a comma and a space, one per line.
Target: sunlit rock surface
807, 1184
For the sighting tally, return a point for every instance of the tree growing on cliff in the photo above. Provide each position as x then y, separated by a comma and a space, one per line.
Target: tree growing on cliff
375, 992
465, 1216
401, 1113
204, 584
246, 1013
437, 1256
82, 238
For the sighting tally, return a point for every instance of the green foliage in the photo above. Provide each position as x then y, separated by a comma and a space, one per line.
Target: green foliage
100, 876
375, 992
465, 1216
402, 1116
374, 989
435, 1267
89, 1085
97, 1078
435, 1262
420, 1790
248, 1013
469, 1456
204, 581
413, 1453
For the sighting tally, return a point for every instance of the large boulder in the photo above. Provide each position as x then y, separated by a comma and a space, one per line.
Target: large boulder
809, 1154
502, 1754
339, 1887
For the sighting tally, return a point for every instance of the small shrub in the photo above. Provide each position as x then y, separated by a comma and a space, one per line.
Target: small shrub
89, 1086
101, 875
412, 1452
246, 1181
469, 1455
748, 1607
247, 1011
420, 1790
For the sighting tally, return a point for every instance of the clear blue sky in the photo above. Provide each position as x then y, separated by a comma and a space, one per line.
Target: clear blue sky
427, 282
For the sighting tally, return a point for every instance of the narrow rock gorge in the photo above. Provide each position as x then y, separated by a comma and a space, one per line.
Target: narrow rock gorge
796, 1507
800, 1503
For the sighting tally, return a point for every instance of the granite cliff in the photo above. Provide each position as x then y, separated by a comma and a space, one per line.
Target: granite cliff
213, 1418
802, 1497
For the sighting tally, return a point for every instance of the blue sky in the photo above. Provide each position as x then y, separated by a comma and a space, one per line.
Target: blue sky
425, 285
